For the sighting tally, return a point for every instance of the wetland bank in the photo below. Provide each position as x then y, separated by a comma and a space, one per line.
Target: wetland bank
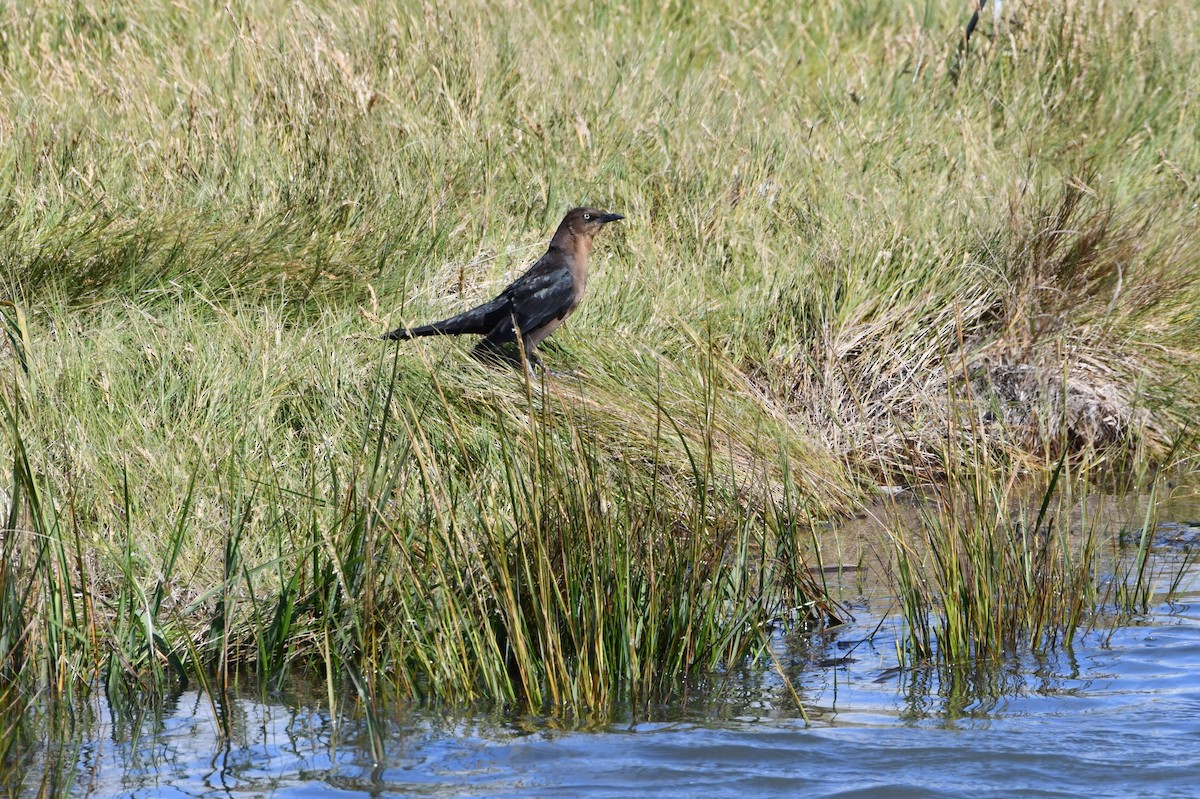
841, 271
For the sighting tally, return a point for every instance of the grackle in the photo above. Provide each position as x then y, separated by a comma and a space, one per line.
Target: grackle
535, 304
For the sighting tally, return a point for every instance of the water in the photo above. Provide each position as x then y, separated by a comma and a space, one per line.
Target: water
1115, 717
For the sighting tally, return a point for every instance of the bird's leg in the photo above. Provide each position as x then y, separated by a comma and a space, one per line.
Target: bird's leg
528, 360
533, 360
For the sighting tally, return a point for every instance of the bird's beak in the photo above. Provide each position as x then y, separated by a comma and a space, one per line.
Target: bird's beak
610, 218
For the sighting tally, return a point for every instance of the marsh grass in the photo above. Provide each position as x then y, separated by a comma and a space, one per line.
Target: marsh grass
996, 567
839, 269
517, 557
992, 572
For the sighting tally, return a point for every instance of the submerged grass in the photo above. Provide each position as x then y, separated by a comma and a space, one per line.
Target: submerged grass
997, 566
990, 571
842, 266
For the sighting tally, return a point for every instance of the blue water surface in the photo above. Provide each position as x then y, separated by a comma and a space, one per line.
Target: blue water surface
1116, 716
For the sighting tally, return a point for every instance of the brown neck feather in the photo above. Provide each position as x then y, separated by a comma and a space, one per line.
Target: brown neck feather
577, 244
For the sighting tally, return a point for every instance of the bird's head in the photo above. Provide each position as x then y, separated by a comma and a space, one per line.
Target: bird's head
587, 221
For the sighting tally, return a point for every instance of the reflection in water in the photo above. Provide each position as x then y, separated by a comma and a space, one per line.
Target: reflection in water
176, 747
1115, 719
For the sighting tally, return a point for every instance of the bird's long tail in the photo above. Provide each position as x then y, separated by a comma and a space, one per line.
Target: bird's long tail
481, 320
404, 333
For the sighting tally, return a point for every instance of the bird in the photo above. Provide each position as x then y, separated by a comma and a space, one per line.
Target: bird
535, 304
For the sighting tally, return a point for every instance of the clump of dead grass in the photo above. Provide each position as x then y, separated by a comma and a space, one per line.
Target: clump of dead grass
1052, 343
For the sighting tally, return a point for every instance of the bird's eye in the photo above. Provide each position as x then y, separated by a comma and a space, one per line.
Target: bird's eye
587, 217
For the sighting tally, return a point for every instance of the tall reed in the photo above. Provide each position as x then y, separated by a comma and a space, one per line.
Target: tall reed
1001, 563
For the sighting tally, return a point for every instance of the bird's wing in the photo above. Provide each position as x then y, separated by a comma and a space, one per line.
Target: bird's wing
540, 296
544, 293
